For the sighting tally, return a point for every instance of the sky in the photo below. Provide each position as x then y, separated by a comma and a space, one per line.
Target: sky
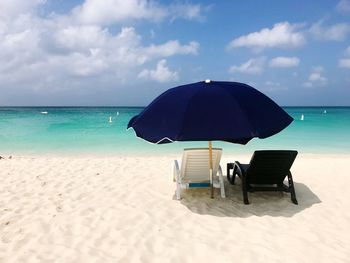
127, 52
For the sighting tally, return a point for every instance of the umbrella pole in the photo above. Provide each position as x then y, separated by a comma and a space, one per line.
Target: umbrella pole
211, 170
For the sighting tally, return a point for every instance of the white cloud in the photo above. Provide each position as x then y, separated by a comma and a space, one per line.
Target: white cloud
58, 51
113, 11
108, 12
186, 11
171, 48
284, 62
316, 78
347, 51
343, 6
274, 86
252, 66
307, 84
336, 32
161, 74
282, 35
317, 69
84, 37
11, 8
344, 63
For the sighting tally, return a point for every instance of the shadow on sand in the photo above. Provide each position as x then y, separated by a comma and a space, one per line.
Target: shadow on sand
275, 204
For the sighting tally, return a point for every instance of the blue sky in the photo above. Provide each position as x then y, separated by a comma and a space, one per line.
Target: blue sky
120, 53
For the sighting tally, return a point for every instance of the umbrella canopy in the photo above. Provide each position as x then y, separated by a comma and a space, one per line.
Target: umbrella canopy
210, 110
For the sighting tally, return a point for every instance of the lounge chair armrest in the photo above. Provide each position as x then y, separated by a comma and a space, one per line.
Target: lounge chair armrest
220, 171
238, 167
176, 171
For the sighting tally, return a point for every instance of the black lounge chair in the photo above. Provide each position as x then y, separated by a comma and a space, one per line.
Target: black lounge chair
265, 172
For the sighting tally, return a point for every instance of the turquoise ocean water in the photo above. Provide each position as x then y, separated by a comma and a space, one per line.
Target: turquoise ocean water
87, 130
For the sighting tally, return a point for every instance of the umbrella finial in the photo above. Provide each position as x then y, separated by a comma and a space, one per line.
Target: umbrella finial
207, 81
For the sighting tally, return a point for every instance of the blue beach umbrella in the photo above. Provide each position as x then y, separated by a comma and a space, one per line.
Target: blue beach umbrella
210, 110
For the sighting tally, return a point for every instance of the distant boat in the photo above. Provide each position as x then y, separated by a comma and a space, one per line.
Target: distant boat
44, 112
302, 117
110, 119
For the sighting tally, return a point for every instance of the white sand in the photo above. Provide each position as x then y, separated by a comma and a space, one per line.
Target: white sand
114, 209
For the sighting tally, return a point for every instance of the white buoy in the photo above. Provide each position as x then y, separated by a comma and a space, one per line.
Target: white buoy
44, 112
117, 113
110, 119
302, 117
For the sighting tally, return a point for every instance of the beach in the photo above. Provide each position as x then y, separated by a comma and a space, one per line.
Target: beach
98, 98
122, 209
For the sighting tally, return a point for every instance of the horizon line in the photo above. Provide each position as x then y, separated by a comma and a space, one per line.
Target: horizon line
133, 106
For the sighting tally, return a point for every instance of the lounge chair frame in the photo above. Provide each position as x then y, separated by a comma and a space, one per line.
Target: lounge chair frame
194, 171
265, 172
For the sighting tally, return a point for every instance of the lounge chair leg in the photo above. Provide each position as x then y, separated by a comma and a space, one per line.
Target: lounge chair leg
291, 187
178, 191
222, 190
244, 190
234, 171
228, 172
245, 198
221, 181
230, 167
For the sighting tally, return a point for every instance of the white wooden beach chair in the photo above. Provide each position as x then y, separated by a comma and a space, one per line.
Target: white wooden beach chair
194, 171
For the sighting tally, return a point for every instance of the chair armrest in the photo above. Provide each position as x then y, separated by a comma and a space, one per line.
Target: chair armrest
220, 171
176, 171
237, 166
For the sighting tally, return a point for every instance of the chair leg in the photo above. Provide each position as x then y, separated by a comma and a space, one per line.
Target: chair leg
221, 182
229, 178
245, 190
234, 171
228, 172
178, 191
222, 187
291, 187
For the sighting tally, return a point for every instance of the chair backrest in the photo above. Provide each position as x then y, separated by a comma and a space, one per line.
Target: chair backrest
270, 167
195, 164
